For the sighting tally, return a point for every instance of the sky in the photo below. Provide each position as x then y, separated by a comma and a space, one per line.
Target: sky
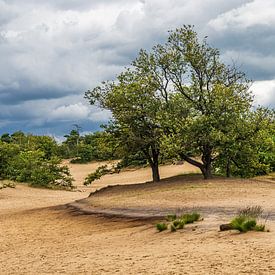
53, 51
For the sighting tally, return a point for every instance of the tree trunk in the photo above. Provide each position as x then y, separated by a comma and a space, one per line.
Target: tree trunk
205, 167
154, 163
207, 163
155, 173
207, 171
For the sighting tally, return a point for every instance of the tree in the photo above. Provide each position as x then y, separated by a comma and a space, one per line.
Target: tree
203, 96
217, 96
72, 141
136, 109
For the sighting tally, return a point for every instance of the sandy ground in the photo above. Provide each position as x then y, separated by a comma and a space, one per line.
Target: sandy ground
41, 236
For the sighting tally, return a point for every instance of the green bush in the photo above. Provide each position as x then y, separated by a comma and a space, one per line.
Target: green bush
243, 224
32, 167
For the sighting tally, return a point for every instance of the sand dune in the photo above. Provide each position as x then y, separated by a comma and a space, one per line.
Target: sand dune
41, 236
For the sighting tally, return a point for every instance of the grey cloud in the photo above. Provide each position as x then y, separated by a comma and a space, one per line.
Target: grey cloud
53, 51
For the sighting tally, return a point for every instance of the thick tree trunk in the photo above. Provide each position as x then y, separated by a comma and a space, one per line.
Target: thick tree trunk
155, 173
207, 171
205, 167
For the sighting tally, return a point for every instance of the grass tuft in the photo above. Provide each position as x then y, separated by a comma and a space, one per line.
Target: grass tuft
247, 219
161, 227
178, 221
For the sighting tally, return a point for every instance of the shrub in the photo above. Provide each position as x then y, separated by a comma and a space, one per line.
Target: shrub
33, 168
179, 223
260, 227
173, 228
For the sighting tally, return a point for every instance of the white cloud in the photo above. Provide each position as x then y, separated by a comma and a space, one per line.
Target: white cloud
264, 92
256, 12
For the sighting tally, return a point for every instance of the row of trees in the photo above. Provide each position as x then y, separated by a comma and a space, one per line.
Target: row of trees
181, 101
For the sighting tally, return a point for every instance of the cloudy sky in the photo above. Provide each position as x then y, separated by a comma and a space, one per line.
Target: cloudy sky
52, 51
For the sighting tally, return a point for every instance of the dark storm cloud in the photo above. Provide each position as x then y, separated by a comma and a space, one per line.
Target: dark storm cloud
53, 51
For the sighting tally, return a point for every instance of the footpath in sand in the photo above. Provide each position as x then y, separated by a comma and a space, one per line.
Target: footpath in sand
39, 235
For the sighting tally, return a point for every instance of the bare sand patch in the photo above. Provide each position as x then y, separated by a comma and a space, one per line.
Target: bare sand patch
55, 239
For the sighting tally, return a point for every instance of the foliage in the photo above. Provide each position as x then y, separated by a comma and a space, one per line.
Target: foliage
32, 167
135, 108
190, 218
32, 159
89, 147
8, 152
100, 172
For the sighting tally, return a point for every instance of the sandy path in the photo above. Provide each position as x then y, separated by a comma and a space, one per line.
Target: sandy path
38, 240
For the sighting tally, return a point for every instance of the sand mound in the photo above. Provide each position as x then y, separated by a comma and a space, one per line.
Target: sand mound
41, 234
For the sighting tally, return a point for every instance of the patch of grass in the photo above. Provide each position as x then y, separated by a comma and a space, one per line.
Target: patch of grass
260, 227
176, 222
173, 228
246, 220
171, 217
161, 227
190, 218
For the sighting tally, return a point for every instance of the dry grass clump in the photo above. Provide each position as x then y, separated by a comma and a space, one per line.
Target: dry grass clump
7, 183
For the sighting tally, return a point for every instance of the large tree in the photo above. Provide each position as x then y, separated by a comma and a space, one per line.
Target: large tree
135, 108
204, 96
181, 98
